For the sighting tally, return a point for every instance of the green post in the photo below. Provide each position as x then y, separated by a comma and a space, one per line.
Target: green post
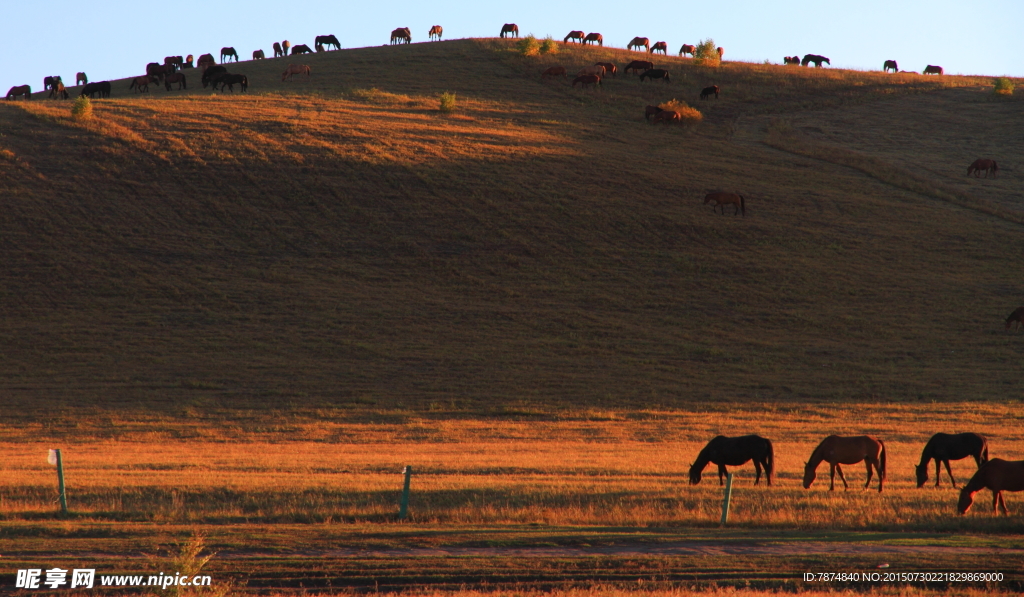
403, 509
60, 484
728, 497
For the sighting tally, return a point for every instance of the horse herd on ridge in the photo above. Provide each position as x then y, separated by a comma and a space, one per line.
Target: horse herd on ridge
995, 474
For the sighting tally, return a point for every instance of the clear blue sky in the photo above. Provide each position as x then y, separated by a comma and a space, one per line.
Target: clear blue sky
116, 38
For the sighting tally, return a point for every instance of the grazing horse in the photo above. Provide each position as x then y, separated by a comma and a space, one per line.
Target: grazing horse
295, 69
668, 117
284, 47
141, 84
735, 451
931, 69
577, 35
20, 90
609, 68
326, 40
212, 74
205, 61
1016, 318
103, 88
50, 82
58, 91
998, 475
278, 52
593, 38
637, 65
510, 28
944, 447
554, 71
592, 70
230, 81
228, 52
687, 49
175, 78
890, 64
400, 35
655, 73
81, 78
639, 41
159, 70
791, 60
435, 31
723, 199
707, 91
659, 46
651, 111
982, 164
837, 450
175, 61
585, 80
816, 59
188, 62
721, 52
258, 55
301, 49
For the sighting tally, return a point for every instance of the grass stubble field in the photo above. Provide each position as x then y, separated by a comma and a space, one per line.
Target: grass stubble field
240, 316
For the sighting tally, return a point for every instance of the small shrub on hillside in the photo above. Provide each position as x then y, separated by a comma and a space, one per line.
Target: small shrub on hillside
549, 46
82, 108
528, 46
706, 53
687, 115
1004, 86
447, 101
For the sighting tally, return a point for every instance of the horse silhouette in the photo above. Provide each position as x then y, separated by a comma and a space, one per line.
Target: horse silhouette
735, 451
609, 68
707, 91
639, 41
944, 447
212, 74
723, 199
228, 52
205, 61
931, 69
141, 84
791, 60
258, 55
577, 35
594, 38
555, 71
837, 450
301, 49
637, 65
816, 59
655, 73
326, 40
102, 88
278, 52
49, 82
58, 91
998, 475
509, 28
398, 36
890, 64
989, 166
659, 46
81, 78
17, 90
668, 117
435, 31
1016, 318
230, 80
175, 78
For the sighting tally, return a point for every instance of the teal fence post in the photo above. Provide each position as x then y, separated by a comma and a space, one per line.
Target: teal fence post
60, 484
403, 509
728, 497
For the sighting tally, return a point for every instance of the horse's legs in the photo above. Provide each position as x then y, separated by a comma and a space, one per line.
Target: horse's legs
1002, 502
842, 476
948, 470
867, 462
938, 471
721, 471
832, 476
757, 467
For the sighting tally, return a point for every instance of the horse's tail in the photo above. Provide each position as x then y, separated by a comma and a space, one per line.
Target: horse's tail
881, 464
984, 451
769, 463
743, 206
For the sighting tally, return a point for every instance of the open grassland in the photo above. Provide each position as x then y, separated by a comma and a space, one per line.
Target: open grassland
340, 243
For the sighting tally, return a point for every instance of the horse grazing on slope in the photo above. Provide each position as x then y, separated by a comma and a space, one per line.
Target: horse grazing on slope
554, 71
592, 70
637, 65
103, 88
228, 52
50, 82
707, 91
931, 69
212, 74
585, 80
791, 60
609, 68
175, 78
301, 49
278, 52
398, 36
435, 31
230, 81
326, 40
188, 62
668, 117
687, 49
735, 451
723, 199
890, 64
659, 46
656, 73
944, 447
258, 55
721, 52
17, 90
141, 84
509, 28
594, 38
998, 475
205, 61
175, 61
295, 69
1016, 318
987, 165
816, 59
576, 35
81, 79
639, 41
58, 91
284, 46
837, 450
651, 111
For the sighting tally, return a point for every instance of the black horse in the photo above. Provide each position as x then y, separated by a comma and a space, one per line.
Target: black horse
213, 73
944, 447
230, 81
816, 59
707, 91
102, 87
655, 73
326, 40
734, 451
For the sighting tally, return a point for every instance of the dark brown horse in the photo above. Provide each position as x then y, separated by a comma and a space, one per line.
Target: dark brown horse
639, 41
836, 450
723, 199
609, 68
326, 40
638, 65
278, 52
228, 53
944, 447
554, 71
890, 64
212, 74
141, 84
258, 55
816, 59
205, 61
687, 49
989, 166
81, 79
230, 81
50, 82
175, 61
707, 91
435, 31
398, 36
188, 62
998, 475
585, 80
175, 78
1016, 318
510, 28
667, 117
594, 38
791, 60
735, 451
651, 111
301, 49
931, 69
655, 73
58, 91
102, 88
17, 90
576, 35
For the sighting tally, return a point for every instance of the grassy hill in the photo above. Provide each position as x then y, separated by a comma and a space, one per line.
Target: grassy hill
339, 242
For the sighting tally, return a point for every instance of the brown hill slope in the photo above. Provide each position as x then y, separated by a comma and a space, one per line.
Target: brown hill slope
338, 241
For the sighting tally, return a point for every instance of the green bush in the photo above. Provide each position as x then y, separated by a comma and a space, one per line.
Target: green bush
528, 46
82, 108
549, 46
1004, 86
706, 53
447, 101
